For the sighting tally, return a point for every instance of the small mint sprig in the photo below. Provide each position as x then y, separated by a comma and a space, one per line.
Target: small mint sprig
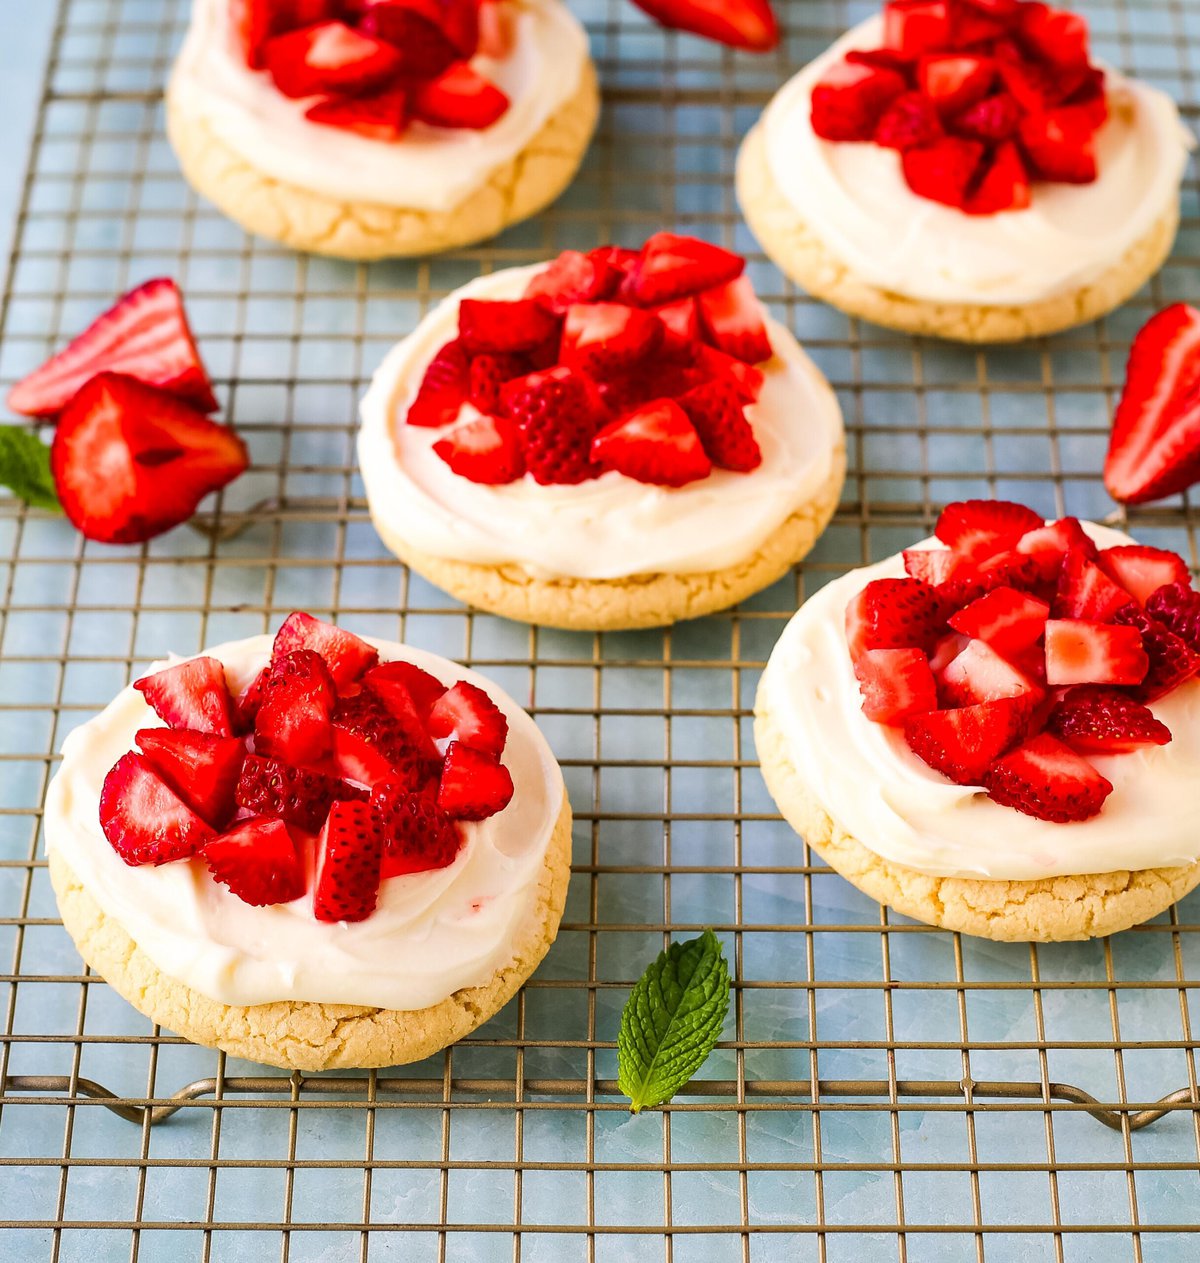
25, 467
672, 1020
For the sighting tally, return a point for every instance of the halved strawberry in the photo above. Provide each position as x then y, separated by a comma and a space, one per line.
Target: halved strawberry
1049, 545
953, 82
444, 388
488, 373
1172, 661
346, 656
746, 24
913, 27
944, 170
681, 323
380, 116
979, 529
459, 97
144, 335
909, 121
259, 862
422, 688
1085, 591
557, 413
1154, 450
894, 614
191, 694
474, 785
131, 461
1096, 720
145, 821
894, 683
980, 674
573, 277
718, 416
497, 325
733, 320
1079, 652
296, 795
466, 713
1053, 35
485, 450
603, 338
348, 857
417, 833
329, 57
993, 119
200, 767
405, 745
963, 743
1003, 184
1047, 779
655, 443
850, 99
1010, 621
1177, 607
1142, 570
416, 32
670, 266
296, 702
1059, 144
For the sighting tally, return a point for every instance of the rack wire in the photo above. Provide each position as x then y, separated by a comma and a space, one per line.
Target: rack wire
885, 1090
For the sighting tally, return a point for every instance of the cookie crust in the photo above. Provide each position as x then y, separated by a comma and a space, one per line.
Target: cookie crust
1051, 909
318, 224
797, 251
299, 1035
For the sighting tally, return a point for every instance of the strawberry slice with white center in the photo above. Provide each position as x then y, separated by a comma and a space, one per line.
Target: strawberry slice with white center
1095, 720
849, 101
670, 266
557, 413
444, 388
329, 57
1172, 661
935, 565
145, 821
459, 97
201, 768
1010, 621
603, 338
348, 857
1142, 570
259, 861
145, 335
681, 323
466, 713
962, 744
1047, 779
913, 27
953, 82
895, 683
256, 21
746, 24
1079, 652
1177, 606
573, 277
733, 320
474, 785
297, 700
655, 443
417, 834
131, 461
894, 614
192, 694
1154, 450
499, 326
1048, 545
380, 116
718, 414
980, 674
296, 795
979, 529
1085, 591
486, 450
346, 655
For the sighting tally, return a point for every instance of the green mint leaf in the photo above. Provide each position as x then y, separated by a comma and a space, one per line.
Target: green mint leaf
672, 1020
25, 467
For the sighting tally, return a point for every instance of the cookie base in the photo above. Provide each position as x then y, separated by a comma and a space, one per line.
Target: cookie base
1051, 909
318, 224
299, 1035
797, 251
650, 600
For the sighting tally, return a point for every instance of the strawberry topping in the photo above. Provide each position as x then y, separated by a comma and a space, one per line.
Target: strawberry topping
349, 852
258, 861
201, 768
654, 443
474, 785
1047, 779
144, 819
192, 694
748, 24
1096, 720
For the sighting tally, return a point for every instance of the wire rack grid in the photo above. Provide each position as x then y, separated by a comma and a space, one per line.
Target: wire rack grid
885, 1090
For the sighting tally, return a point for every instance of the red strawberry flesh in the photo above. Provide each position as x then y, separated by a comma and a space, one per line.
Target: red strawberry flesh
144, 820
192, 694
258, 860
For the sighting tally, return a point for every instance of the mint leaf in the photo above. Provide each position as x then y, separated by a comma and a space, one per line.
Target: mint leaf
25, 467
672, 1020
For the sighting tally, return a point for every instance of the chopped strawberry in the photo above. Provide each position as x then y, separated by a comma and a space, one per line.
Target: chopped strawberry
1091, 97
346, 656
444, 388
296, 795
348, 857
496, 325
1047, 779
953, 82
670, 266
1049, 545
945, 649
1085, 591
381, 116
473, 785
1080, 652
894, 683
934, 565
913, 27
746, 24
422, 688
256, 21
356, 760
1058, 144
486, 450
557, 413
962, 744
200, 767
1096, 720
979, 529
993, 119
1142, 570
970, 27
1172, 661
192, 694
1155, 446
296, 701
329, 57
1177, 607
131, 461
733, 320
944, 170
466, 713
655, 443
403, 742
718, 416
1053, 35
1031, 86
145, 335
258, 861
488, 373
144, 820
850, 99
681, 322
602, 338
460, 97
1010, 621
1003, 184
909, 121
573, 277
894, 614
495, 24
980, 674
417, 833
416, 32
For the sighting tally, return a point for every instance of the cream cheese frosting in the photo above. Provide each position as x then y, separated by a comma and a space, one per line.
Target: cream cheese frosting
429, 168
432, 933
612, 527
872, 784
853, 197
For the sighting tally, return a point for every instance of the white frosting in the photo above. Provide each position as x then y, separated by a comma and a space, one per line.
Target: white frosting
613, 526
872, 784
854, 198
431, 934
429, 168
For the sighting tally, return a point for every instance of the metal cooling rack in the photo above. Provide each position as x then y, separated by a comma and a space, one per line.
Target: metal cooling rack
886, 1090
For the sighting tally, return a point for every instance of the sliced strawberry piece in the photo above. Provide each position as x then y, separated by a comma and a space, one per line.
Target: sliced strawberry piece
488, 373
733, 319
1053, 35
1047, 779
486, 450
329, 58
953, 82
381, 116
1010, 621
145, 821
934, 565
746, 24
394, 690
495, 30
603, 338
356, 760
913, 27
980, 674
894, 683
421, 688
1096, 720
573, 277
473, 785
1079, 652
1085, 591
1177, 607
1091, 97
1172, 661
1058, 144
655, 443
192, 694
466, 713
201, 768
1155, 446
1142, 570
681, 323
909, 121
145, 335
417, 834
499, 326
348, 858
258, 861
944, 170
970, 27
346, 656
460, 97
962, 744
296, 703
894, 614
415, 31
131, 461
1049, 545
407, 747
670, 267
257, 20
1003, 184
993, 119
946, 648
1030, 85
850, 98
718, 416
444, 388
747, 379
296, 795
979, 529
557, 413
